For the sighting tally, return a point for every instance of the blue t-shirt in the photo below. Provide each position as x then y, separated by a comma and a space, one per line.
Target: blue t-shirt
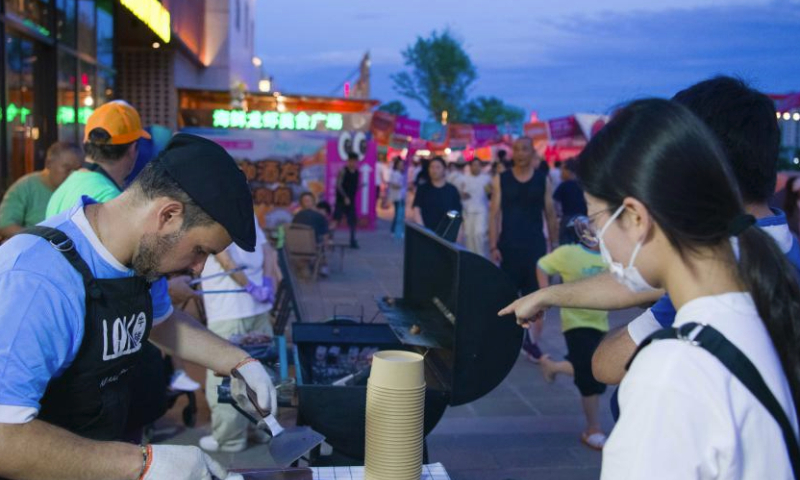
777, 227
570, 195
42, 309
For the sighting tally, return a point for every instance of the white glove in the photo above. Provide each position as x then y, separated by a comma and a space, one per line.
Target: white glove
174, 462
261, 399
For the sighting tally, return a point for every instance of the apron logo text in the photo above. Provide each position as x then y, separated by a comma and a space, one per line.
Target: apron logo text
125, 336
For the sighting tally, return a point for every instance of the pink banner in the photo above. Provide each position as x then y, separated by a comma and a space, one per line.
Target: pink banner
365, 196
565, 127
407, 127
485, 134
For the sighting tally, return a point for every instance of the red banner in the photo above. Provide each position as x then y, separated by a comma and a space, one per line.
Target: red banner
460, 135
382, 127
536, 131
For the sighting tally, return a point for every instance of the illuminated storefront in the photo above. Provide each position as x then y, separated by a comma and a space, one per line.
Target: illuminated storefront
61, 62
64, 58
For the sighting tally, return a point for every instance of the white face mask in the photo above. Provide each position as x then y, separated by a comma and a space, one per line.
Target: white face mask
628, 276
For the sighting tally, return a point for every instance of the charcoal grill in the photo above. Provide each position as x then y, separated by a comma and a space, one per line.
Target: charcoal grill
448, 313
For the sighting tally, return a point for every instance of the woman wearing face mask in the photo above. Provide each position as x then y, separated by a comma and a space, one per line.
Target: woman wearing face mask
666, 213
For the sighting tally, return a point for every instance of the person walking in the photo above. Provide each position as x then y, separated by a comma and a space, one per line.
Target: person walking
521, 198
347, 183
397, 195
475, 189
436, 197
583, 329
569, 198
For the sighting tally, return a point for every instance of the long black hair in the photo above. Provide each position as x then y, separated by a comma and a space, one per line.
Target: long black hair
790, 202
658, 152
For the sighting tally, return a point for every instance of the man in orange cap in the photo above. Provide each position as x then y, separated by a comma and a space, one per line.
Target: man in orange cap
110, 144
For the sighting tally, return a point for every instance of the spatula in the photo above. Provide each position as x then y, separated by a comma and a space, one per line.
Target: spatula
287, 444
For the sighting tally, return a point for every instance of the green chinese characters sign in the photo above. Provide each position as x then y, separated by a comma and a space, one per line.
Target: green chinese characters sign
64, 116
257, 120
67, 115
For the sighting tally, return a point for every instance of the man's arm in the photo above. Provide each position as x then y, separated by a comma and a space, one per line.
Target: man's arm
618, 346
10, 230
227, 263
417, 215
271, 268
550, 214
542, 277
599, 292
495, 217
612, 355
45, 452
183, 336
340, 186
12, 212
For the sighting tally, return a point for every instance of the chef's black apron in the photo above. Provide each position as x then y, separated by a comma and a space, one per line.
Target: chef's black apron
91, 397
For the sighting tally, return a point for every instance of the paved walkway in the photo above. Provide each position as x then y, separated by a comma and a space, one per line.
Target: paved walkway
524, 429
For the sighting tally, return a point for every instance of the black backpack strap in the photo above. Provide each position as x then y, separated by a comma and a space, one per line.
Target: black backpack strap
61, 242
711, 340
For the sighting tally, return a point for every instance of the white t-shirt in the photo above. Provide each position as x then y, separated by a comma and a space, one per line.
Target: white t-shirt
397, 186
475, 187
233, 306
454, 177
685, 416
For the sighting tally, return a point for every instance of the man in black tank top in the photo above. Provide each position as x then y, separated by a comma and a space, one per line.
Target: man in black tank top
521, 197
346, 188
516, 235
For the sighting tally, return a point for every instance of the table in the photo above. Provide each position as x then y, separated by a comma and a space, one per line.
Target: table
434, 471
429, 472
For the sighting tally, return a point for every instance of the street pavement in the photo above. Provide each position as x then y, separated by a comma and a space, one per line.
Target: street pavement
524, 429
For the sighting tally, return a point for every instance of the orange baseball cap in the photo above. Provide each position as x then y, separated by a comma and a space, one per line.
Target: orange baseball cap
120, 120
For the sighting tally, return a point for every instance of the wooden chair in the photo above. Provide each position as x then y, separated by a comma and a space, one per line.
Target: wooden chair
302, 247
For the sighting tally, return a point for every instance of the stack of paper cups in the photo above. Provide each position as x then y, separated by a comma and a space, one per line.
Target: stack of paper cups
395, 416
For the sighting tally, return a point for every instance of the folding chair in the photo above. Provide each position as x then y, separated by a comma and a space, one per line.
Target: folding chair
301, 244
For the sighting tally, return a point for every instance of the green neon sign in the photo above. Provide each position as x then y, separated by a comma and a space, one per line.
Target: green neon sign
255, 120
66, 115
14, 112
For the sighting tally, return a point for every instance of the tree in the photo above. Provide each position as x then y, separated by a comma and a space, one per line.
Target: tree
492, 111
439, 77
395, 108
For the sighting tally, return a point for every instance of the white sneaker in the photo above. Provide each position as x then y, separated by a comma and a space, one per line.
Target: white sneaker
209, 444
183, 383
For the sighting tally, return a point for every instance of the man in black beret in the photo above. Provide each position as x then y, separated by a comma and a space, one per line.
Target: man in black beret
76, 310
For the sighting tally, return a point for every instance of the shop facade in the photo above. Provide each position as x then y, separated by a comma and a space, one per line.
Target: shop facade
64, 58
59, 63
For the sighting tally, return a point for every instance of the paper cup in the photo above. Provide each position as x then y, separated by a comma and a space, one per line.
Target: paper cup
397, 369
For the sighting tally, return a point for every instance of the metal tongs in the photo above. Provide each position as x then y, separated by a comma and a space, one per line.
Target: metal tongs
287, 444
216, 275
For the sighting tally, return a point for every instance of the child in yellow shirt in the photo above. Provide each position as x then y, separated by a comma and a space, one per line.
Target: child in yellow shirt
583, 330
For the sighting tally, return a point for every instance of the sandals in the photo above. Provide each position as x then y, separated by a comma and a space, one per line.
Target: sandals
595, 441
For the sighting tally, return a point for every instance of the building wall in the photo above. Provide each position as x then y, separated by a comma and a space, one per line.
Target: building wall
228, 49
146, 81
241, 33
